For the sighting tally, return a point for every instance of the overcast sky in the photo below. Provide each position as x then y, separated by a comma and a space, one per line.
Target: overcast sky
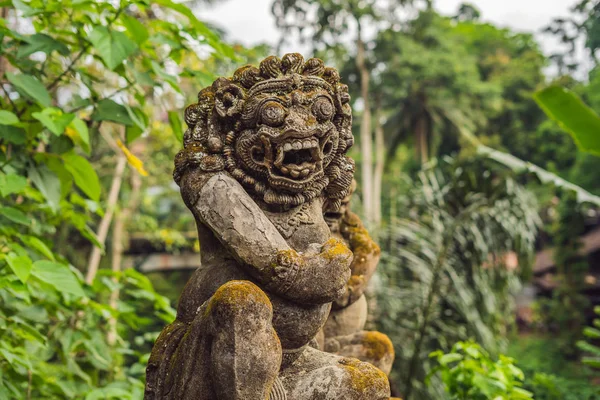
250, 21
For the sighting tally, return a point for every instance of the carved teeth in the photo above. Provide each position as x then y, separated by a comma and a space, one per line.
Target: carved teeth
285, 170
305, 172
287, 147
297, 145
280, 155
294, 173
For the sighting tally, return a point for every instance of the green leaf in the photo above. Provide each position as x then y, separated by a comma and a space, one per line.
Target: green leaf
11, 183
522, 393
210, 37
176, 125
60, 144
84, 175
592, 333
28, 332
573, 115
170, 79
57, 166
543, 175
107, 393
136, 30
57, 275
108, 110
82, 134
450, 358
593, 362
113, 46
132, 133
26, 9
8, 118
30, 87
48, 184
37, 245
20, 265
54, 119
17, 357
12, 134
138, 116
41, 42
15, 215
588, 347
488, 386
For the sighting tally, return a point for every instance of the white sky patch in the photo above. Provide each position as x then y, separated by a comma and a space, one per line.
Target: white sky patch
250, 21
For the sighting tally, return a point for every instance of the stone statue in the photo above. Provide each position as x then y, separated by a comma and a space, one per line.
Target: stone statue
264, 157
344, 333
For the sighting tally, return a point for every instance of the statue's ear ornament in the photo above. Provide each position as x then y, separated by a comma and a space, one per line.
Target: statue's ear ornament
229, 98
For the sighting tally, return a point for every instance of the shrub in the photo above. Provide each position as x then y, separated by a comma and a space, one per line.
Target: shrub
468, 373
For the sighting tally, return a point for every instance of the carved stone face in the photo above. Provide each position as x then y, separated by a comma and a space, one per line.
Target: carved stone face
290, 137
282, 130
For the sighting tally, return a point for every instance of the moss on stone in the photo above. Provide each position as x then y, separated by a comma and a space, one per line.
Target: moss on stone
363, 376
356, 281
377, 345
335, 249
288, 258
236, 294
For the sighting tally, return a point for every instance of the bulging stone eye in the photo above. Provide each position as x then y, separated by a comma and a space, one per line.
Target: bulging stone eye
323, 109
272, 113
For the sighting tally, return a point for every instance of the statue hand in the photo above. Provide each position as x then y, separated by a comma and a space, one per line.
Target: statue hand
314, 278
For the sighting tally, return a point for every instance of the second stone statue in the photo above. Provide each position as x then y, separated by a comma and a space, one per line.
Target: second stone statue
264, 160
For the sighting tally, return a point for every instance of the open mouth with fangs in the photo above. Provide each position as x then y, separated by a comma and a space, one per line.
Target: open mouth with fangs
298, 158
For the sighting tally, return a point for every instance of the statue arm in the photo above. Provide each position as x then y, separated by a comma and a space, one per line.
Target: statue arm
241, 226
222, 204
366, 257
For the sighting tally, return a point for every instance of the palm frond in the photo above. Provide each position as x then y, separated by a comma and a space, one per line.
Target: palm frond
443, 273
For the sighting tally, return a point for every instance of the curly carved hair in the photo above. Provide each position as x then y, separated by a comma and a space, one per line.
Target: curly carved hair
215, 121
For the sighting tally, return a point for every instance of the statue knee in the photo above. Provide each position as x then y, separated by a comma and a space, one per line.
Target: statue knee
378, 350
366, 381
237, 300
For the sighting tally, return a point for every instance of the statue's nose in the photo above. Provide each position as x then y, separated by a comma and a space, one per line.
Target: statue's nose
300, 117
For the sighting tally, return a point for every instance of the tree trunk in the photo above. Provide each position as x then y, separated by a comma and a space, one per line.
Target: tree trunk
379, 165
121, 219
365, 130
113, 196
421, 139
3, 15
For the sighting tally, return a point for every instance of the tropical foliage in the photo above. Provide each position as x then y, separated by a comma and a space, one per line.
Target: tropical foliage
452, 259
592, 333
469, 373
461, 147
80, 83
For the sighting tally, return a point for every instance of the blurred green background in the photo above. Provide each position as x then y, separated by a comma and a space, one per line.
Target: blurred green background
478, 169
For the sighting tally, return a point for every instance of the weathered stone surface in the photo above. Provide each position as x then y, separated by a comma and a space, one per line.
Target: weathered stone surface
344, 333
263, 159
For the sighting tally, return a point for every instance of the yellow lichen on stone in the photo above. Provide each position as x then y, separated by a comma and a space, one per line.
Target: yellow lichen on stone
361, 242
363, 376
377, 345
358, 237
237, 293
288, 257
356, 281
335, 248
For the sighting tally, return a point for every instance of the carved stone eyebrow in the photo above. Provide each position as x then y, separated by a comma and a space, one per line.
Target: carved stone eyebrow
254, 104
281, 84
312, 95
